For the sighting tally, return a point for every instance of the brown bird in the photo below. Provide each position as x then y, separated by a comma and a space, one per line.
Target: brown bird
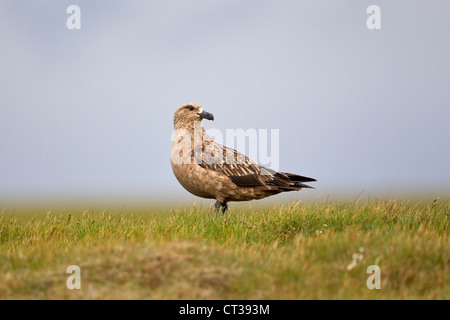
213, 171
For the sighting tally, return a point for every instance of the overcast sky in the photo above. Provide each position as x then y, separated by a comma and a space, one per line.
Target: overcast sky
89, 112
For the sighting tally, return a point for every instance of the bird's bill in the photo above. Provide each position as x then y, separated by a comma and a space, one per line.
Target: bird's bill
206, 115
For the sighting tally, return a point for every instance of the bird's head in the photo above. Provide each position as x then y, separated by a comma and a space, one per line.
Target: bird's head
186, 115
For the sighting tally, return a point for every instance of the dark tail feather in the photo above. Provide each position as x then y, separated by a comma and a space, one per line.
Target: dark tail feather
297, 178
290, 182
295, 187
302, 185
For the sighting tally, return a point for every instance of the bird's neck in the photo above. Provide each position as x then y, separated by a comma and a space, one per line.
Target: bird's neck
191, 127
193, 132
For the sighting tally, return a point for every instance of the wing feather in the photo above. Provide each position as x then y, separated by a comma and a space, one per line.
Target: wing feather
244, 172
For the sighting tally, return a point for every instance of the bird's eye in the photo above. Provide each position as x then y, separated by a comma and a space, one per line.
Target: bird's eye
191, 108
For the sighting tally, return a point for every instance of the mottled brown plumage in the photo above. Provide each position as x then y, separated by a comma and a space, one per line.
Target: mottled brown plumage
210, 170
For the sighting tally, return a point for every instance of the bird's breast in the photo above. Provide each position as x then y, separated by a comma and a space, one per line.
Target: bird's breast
193, 178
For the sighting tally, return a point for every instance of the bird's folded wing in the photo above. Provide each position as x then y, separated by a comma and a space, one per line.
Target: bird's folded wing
238, 167
244, 172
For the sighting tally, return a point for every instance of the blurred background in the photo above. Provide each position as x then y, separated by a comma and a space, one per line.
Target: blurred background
86, 115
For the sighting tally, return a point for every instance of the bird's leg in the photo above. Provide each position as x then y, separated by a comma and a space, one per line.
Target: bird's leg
217, 206
224, 207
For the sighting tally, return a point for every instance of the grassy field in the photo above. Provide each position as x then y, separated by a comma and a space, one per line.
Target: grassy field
298, 251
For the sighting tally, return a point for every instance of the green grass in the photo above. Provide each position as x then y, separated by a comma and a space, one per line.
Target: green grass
299, 251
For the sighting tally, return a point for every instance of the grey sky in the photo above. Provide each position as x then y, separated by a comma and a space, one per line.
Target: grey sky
89, 112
